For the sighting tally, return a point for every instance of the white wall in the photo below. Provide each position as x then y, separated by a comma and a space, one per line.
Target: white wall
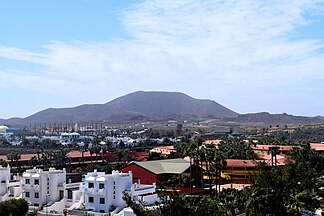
56, 207
4, 179
48, 188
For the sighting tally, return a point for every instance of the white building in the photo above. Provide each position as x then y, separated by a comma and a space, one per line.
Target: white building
44, 187
69, 138
4, 182
8, 188
3, 129
104, 192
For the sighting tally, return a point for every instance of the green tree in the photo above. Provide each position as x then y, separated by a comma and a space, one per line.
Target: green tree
96, 150
48, 158
155, 156
235, 148
91, 151
83, 149
33, 161
287, 190
16, 207
39, 150
13, 157
61, 158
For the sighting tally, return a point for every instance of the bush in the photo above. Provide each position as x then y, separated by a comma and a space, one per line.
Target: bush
17, 207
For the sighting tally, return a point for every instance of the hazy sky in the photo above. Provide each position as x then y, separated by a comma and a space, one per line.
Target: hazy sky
248, 55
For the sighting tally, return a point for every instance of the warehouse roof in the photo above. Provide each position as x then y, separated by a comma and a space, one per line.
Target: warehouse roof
171, 166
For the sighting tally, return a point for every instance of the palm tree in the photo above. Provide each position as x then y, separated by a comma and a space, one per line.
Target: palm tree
47, 158
103, 151
61, 158
91, 151
121, 155
39, 150
83, 149
13, 156
96, 150
33, 161
274, 151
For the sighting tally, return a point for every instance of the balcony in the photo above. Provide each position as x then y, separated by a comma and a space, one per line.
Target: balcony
36, 187
95, 191
90, 190
26, 186
101, 191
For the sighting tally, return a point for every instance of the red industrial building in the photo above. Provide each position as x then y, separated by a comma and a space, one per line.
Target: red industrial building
150, 172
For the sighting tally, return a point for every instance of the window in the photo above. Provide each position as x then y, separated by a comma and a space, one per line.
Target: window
27, 194
36, 195
114, 197
27, 181
69, 194
36, 182
114, 182
101, 186
114, 187
102, 211
102, 200
114, 192
90, 185
90, 199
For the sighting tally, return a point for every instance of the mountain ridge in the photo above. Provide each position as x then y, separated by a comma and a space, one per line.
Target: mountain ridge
140, 105
155, 106
266, 117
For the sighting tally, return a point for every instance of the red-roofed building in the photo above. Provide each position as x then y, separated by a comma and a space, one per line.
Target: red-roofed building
317, 146
149, 172
239, 170
164, 150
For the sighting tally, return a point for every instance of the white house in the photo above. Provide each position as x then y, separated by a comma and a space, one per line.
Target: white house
69, 138
8, 188
104, 192
44, 188
4, 182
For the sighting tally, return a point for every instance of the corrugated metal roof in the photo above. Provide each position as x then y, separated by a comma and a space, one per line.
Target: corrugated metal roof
171, 166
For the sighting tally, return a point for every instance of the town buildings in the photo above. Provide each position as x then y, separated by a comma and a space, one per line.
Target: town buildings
43, 187
104, 192
164, 150
99, 194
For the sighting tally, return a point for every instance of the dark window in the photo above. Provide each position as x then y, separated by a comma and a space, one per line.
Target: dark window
36, 182
102, 200
90, 185
114, 197
36, 195
69, 194
61, 194
102, 211
27, 194
90, 199
101, 186
27, 181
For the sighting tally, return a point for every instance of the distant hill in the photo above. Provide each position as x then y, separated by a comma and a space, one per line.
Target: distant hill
156, 106
265, 117
134, 106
